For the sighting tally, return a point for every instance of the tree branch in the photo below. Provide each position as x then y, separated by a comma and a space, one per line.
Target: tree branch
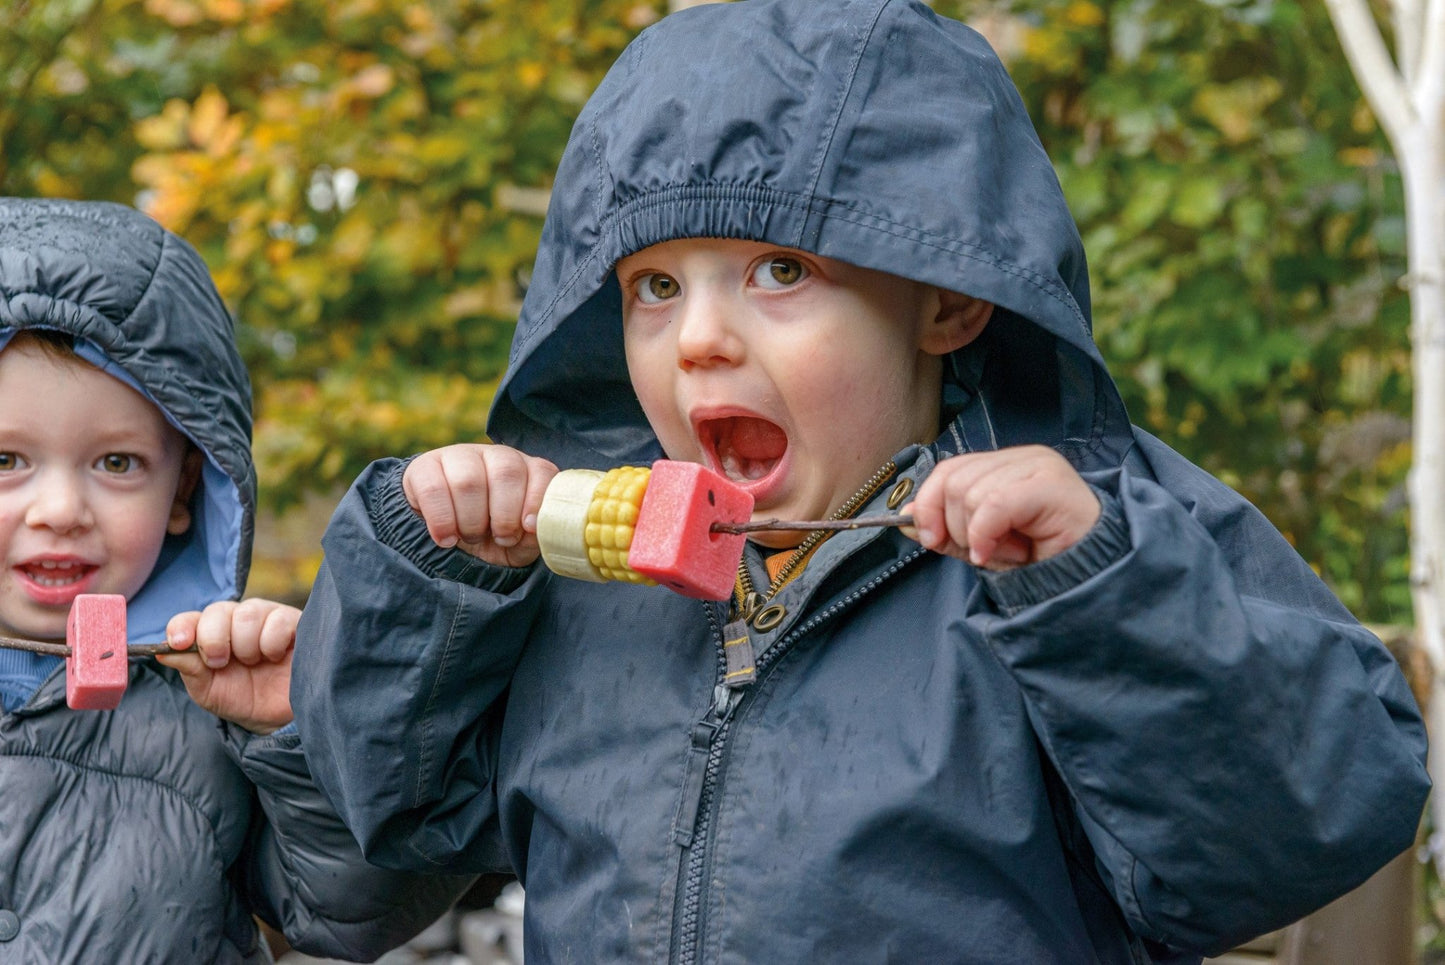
1374, 70
1408, 15
1430, 82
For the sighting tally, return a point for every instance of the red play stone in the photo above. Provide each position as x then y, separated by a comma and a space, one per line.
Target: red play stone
97, 670
673, 542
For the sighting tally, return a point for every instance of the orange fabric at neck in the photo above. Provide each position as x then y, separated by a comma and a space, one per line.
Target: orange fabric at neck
776, 561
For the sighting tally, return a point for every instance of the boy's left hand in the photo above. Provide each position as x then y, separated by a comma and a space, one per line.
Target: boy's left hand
1004, 509
241, 668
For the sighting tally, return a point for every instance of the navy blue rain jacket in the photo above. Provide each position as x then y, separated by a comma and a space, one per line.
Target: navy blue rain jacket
1165, 740
153, 832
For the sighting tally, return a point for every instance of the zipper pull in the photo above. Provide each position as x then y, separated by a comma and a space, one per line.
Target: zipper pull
738, 649
704, 732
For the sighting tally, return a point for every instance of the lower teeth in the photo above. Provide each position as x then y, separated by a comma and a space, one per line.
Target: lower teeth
749, 470
53, 581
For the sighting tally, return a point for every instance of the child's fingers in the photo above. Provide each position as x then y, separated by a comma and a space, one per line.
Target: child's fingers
992, 525
987, 503
500, 514
181, 630
428, 490
1003, 508
481, 498
518, 483
540, 473
248, 623
181, 635
931, 529
278, 633
485, 482
946, 501
213, 634
192, 668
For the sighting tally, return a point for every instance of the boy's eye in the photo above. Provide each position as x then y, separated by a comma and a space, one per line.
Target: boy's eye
656, 287
9, 461
779, 273
116, 462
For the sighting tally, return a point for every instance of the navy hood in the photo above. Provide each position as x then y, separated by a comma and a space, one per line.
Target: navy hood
142, 307
874, 132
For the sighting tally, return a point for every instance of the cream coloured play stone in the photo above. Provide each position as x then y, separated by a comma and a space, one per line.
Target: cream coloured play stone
645, 525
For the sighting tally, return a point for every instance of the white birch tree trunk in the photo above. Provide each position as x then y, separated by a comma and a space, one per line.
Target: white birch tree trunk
1407, 94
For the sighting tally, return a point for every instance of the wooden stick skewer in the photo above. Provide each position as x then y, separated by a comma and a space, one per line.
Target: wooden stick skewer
63, 649
770, 525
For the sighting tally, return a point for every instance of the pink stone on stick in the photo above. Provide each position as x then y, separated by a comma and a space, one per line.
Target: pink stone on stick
673, 542
97, 670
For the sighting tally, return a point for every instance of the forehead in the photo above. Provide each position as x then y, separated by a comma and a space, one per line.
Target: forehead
46, 390
727, 253
682, 248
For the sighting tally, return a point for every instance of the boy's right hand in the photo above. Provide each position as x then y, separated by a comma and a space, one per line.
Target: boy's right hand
240, 667
482, 499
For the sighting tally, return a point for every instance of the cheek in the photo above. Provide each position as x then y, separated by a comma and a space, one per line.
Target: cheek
653, 395
655, 389
846, 385
865, 412
645, 367
140, 543
140, 532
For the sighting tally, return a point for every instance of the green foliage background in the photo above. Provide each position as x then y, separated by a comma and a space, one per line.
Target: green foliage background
363, 177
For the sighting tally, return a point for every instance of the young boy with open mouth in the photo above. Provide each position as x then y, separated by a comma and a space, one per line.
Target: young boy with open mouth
1091, 707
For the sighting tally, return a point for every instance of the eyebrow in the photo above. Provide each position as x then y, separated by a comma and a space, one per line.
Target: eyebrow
134, 439
124, 437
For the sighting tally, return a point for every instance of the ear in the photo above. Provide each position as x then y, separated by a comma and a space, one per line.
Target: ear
960, 320
180, 518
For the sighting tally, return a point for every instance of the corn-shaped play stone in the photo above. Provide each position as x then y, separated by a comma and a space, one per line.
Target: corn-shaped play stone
644, 525
585, 525
611, 517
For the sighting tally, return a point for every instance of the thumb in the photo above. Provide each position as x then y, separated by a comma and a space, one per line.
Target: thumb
193, 670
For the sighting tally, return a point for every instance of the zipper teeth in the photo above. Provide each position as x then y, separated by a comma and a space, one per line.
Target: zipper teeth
721, 660
692, 912
854, 503
691, 887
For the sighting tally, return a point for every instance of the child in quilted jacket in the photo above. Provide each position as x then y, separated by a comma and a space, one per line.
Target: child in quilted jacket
153, 832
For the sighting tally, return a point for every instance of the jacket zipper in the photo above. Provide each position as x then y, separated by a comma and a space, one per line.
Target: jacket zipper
692, 827
749, 598
691, 824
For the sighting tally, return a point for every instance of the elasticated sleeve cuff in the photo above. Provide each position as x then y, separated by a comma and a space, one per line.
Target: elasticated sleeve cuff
1015, 590
399, 527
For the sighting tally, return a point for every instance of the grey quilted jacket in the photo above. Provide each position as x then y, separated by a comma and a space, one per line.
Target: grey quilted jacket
1161, 742
153, 833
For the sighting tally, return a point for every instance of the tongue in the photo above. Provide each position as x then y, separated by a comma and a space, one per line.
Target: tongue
748, 449
756, 439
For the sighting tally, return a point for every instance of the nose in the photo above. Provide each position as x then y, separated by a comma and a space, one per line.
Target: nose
59, 505
706, 335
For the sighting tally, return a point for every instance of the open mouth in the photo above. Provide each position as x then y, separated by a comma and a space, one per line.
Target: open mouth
744, 448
